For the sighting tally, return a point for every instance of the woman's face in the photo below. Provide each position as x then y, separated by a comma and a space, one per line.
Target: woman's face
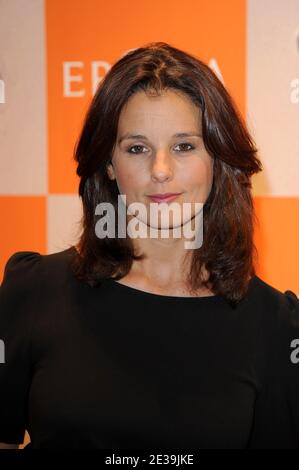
158, 161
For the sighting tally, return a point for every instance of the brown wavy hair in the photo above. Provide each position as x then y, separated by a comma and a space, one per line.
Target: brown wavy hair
227, 253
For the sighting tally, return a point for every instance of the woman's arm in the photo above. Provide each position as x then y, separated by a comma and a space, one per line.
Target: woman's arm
19, 291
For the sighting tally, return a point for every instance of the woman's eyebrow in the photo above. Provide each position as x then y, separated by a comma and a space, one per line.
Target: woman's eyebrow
143, 137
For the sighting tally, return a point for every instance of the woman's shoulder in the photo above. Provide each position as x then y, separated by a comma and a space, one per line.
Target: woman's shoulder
266, 292
33, 284
21, 270
31, 272
25, 264
282, 306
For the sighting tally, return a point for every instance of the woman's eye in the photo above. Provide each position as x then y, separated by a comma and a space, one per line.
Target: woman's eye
134, 147
184, 145
137, 148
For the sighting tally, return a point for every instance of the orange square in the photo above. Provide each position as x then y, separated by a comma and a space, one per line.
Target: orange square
276, 238
23, 225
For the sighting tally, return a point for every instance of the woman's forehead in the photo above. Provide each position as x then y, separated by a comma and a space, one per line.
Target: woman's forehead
161, 112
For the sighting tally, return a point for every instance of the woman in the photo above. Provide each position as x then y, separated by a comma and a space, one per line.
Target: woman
139, 342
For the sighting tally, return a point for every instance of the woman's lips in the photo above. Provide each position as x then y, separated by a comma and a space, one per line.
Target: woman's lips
166, 198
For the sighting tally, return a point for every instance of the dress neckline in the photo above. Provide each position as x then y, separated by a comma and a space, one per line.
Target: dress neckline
151, 295
140, 292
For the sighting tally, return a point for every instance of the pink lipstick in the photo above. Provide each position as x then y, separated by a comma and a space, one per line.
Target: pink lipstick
166, 197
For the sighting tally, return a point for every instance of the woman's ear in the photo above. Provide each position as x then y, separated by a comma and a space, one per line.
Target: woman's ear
110, 171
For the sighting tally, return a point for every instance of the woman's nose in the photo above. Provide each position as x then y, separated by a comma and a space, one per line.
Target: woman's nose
162, 166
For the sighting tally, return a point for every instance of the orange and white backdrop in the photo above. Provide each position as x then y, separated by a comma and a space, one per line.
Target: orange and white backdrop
53, 53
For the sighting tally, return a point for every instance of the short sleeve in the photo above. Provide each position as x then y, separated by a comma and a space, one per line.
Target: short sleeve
276, 415
19, 292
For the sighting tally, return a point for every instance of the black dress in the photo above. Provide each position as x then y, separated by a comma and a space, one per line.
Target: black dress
114, 367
